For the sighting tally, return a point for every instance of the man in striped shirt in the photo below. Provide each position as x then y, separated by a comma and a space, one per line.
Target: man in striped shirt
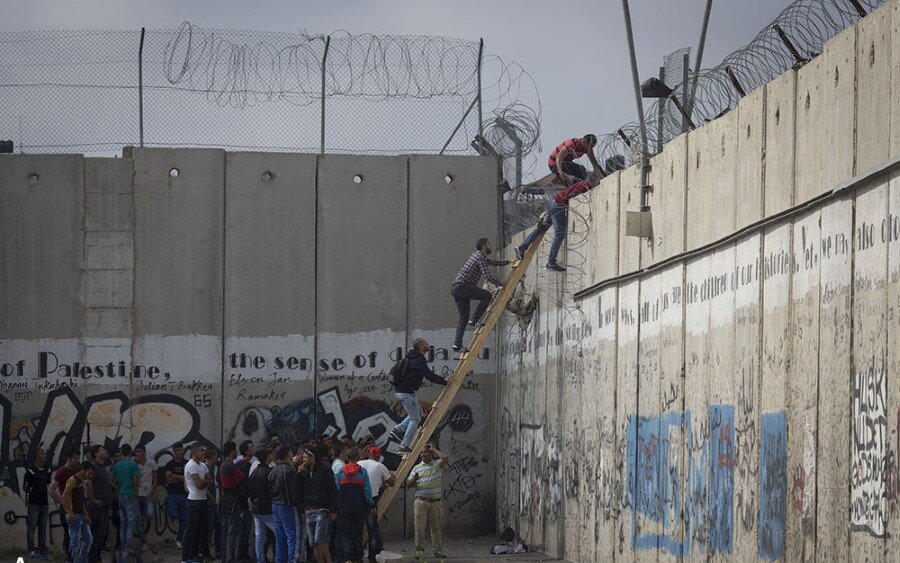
562, 159
465, 288
428, 508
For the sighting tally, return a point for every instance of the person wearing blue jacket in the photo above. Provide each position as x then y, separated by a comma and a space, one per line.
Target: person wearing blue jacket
405, 391
354, 504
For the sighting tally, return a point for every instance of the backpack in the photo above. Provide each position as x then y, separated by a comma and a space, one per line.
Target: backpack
400, 372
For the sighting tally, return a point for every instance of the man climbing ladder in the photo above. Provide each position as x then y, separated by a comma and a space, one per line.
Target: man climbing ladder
456, 380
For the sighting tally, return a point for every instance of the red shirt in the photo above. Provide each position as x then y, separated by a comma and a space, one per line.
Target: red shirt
576, 150
62, 475
563, 196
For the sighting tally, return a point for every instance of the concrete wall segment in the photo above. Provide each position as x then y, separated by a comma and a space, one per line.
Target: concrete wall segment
668, 177
874, 107
826, 111
41, 220
362, 236
780, 142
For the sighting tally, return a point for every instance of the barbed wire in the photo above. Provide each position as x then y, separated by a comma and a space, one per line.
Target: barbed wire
795, 36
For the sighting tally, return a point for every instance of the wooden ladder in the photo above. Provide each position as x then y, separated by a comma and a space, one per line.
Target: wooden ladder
445, 399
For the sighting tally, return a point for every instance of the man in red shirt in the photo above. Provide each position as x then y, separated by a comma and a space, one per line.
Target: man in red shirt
557, 215
62, 475
562, 159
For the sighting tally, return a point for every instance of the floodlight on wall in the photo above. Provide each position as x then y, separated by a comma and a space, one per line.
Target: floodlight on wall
655, 88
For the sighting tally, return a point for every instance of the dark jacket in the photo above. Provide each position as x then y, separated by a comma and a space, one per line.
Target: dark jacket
415, 371
260, 499
318, 488
354, 488
283, 487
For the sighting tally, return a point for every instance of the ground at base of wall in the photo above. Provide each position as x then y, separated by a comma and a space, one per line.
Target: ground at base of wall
461, 550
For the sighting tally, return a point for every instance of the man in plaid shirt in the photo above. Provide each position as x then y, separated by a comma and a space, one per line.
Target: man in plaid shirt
465, 288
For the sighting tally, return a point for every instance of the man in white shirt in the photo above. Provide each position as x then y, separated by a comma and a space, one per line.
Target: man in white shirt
378, 476
146, 497
196, 481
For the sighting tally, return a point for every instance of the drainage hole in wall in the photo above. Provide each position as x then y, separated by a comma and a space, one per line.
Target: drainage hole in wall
358, 179
33, 178
267, 176
448, 179
173, 173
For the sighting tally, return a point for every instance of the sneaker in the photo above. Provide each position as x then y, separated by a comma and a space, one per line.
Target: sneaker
460, 349
440, 554
396, 433
32, 555
520, 254
555, 267
475, 323
403, 450
178, 544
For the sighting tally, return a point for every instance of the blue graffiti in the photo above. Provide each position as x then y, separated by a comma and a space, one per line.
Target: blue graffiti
656, 495
721, 478
655, 487
772, 485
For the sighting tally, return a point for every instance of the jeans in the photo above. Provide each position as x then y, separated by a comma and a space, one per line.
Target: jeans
231, 528
80, 539
300, 553
245, 522
462, 294
37, 518
212, 530
128, 517
572, 169
193, 530
376, 543
99, 529
285, 520
318, 526
428, 514
65, 526
148, 507
557, 215
410, 425
177, 507
261, 522
349, 542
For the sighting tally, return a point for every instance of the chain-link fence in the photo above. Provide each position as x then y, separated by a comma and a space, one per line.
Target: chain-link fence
96, 91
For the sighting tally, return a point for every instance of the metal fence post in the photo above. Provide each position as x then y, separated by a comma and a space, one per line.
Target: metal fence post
141, 87
480, 113
661, 113
322, 129
639, 103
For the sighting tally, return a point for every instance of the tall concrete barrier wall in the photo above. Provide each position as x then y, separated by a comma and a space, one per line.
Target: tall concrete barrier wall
729, 387
202, 296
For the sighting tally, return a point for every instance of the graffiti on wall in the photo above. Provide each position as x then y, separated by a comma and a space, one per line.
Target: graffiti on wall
772, 484
867, 479
655, 488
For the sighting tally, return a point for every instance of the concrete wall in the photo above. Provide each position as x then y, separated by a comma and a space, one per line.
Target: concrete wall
202, 296
740, 402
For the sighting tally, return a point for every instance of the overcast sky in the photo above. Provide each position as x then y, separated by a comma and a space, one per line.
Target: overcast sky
576, 51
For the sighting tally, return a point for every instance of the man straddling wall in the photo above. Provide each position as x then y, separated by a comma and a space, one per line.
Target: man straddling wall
465, 288
557, 215
405, 386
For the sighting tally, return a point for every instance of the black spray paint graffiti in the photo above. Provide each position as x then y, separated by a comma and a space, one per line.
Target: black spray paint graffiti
868, 495
160, 420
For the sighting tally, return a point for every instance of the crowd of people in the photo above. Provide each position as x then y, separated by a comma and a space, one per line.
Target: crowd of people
313, 500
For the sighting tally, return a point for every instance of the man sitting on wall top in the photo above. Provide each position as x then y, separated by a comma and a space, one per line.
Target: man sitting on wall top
557, 215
